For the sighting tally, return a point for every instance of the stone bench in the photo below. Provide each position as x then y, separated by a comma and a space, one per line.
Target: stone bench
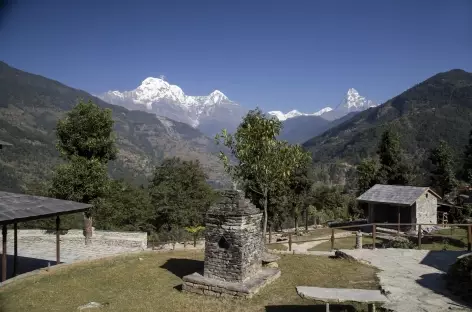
338, 295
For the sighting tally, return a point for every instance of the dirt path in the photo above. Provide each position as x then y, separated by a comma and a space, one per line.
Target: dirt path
303, 247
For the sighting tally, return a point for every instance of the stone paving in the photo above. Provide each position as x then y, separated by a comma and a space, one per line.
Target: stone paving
413, 279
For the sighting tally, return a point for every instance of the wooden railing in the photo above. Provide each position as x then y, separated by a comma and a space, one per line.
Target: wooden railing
374, 226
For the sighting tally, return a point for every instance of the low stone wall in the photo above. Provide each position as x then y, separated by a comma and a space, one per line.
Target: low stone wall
76, 237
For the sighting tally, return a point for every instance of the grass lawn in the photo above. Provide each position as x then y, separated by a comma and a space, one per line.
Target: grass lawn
126, 283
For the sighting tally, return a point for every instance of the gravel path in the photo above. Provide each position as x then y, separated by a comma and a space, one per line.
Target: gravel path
413, 279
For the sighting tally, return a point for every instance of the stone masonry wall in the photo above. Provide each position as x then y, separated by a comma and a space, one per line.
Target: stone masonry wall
76, 237
233, 239
426, 209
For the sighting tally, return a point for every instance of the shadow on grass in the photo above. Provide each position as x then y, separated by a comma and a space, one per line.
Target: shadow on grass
181, 266
437, 283
310, 308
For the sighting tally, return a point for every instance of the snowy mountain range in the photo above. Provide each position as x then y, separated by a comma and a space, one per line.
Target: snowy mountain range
352, 102
213, 112
210, 113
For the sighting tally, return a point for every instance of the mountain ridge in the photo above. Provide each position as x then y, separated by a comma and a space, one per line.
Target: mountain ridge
439, 107
164, 99
30, 106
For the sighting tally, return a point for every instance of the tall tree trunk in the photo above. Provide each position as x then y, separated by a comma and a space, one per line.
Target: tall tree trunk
264, 229
87, 228
295, 217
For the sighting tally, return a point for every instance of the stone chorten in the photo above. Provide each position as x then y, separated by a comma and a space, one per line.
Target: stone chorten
233, 250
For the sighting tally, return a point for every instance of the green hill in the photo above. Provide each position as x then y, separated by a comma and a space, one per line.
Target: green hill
30, 106
438, 108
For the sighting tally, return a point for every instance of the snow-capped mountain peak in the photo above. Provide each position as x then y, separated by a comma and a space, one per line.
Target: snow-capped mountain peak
295, 113
217, 96
165, 99
354, 102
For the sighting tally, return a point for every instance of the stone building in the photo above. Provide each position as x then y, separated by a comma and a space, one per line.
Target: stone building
400, 204
234, 250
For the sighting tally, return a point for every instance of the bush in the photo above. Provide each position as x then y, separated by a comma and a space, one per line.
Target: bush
401, 243
459, 278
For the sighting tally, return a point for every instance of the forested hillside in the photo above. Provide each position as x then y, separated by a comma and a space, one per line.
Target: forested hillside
438, 108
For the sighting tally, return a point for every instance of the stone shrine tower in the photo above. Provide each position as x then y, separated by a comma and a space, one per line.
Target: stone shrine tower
233, 240
233, 250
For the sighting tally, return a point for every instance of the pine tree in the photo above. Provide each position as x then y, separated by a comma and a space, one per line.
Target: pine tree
443, 178
393, 170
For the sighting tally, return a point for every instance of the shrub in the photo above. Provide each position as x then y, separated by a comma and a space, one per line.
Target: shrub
459, 278
401, 243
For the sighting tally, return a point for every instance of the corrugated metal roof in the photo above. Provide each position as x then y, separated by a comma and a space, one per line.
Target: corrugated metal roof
394, 194
20, 207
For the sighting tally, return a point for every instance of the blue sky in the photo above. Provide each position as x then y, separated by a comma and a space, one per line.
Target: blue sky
277, 54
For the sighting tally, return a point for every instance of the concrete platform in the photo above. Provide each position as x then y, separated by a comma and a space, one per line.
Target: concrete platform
341, 294
197, 283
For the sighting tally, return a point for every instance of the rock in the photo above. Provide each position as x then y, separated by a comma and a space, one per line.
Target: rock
90, 305
343, 255
268, 258
271, 265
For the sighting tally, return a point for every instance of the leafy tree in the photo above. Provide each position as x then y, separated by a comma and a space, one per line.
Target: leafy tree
86, 141
124, 207
467, 169
367, 174
442, 176
298, 191
87, 131
261, 159
180, 194
330, 203
393, 170
80, 180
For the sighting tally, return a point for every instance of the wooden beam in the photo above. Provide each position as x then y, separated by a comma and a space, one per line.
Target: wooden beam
15, 249
4, 253
58, 240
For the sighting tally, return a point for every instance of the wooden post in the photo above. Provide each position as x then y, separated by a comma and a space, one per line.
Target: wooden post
371, 307
58, 240
469, 237
419, 236
332, 239
4, 252
88, 228
374, 230
289, 241
398, 220
15, 248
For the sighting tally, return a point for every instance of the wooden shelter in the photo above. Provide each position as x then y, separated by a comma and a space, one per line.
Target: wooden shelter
400, 204
16, 208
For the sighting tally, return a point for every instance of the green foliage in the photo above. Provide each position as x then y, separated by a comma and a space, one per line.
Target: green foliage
467, 169
330, 203
459, 278
367, 175
443, 178
86, 140
263, 163
180, 194
80, 180
87, 131
393, 169
124, 207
